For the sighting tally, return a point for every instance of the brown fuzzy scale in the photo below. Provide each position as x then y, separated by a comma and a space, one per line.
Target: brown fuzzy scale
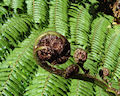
56, 51
80, 55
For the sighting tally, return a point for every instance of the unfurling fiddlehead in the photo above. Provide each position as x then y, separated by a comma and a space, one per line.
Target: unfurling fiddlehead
80, 55
51, 48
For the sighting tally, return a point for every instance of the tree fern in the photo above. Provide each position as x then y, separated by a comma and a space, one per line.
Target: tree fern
79, 24
37, 9
112, 51
81, 88
7, 2
13, 31
116, 74
17, 4
3, 13
18, 68
19, 73
45, 84
97, 38
58, 15
29, 7
100, 92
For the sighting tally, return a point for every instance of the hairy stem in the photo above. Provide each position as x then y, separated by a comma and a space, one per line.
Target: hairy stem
84, 77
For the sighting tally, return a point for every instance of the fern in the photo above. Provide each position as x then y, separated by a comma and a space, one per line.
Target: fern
29, 7
17, 4
37, 9
116, 74
112, 50
3, 11
45, 83
81, 88
100, 92
79, 24
10, 36
58, 16
18, 68
7, 2
97, 39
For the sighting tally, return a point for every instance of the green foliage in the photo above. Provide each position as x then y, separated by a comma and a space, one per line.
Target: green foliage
81, 88
44, 81
10, 36
80, 21
112, 50
18, 68
100, 92
58, 16
22, 21
37, 9
97, 39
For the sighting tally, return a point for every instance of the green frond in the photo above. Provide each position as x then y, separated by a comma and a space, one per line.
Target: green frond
3, 14
17, 4
40, 11
47, 84
7, 2
18, 68
112, 50
91, 66
79, 24
37, 9
97, 40
58, 16
13, 31
116, 73
29, 7
100, 92
3, 11
81, 88
97, 37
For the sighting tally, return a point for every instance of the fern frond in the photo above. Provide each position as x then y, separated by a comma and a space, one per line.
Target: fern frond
58, 16
116, 73
98, 34
40, 11
37, 9
3, 11
13, 31
18, 68
97, 39
100, 92
112, 50
79, 24
29, 7
7, 2
81, 88
45, 83
17, 4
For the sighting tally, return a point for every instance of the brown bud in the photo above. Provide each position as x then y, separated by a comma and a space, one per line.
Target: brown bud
52, 47
105, 72
71, 70
80, 55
